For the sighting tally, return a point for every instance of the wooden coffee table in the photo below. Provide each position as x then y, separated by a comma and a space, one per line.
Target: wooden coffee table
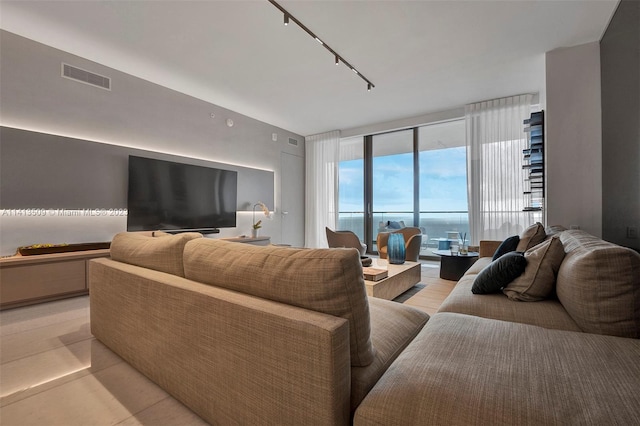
400, 279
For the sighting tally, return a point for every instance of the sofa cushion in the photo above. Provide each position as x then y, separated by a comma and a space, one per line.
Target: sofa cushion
324, 280
464, 370
507, 246
532, 236
160, 254
547, 313
539, 277
599, 285
554, 230
496, 275
393, 327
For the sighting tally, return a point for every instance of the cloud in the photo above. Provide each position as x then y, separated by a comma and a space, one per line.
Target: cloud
443, 182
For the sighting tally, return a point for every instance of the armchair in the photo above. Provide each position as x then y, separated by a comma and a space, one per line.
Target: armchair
412, 242
338, 239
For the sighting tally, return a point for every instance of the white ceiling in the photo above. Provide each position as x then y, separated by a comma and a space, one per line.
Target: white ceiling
422, 56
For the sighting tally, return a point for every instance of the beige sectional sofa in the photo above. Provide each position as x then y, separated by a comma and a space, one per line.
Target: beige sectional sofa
244, 334
573, 358
270, 335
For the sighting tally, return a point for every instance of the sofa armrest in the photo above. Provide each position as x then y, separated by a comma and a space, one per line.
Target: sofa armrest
230, 357
488, 247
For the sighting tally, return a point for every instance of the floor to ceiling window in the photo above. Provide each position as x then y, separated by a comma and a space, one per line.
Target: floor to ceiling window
351, 187
392, 180
443, 183
417, 177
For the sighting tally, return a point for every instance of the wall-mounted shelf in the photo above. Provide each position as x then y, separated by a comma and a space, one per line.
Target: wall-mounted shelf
533, 156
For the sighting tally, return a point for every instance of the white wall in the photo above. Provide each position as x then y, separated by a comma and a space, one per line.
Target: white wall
574, 138
135, 113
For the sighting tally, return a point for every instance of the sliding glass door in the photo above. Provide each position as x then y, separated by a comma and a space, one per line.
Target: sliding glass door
412, 177
351, 211
392, 181
443, 184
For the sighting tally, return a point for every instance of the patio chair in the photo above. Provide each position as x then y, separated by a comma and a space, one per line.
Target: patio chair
339, 239
412, 243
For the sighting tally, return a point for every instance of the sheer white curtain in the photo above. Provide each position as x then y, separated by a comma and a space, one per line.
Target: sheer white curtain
496, 180
322, 154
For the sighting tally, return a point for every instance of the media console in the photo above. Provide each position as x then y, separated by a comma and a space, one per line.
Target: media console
26, 280
258, 241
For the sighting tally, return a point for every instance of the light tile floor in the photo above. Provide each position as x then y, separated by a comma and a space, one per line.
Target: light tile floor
54, 372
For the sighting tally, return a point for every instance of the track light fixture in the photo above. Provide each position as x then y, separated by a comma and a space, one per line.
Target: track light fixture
288, 16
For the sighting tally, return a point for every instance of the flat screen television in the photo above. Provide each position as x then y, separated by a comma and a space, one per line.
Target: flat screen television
177, 197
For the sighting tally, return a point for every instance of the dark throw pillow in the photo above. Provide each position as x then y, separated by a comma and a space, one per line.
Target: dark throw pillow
496, 275
508, 245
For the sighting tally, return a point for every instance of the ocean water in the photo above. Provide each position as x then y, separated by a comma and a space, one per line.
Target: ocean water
433, 225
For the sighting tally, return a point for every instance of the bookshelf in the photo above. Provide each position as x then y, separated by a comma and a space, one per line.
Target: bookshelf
533, 164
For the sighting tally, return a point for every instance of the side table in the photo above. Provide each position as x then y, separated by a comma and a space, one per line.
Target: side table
453, 266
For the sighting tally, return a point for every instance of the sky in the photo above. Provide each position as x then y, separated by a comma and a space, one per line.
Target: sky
443, 182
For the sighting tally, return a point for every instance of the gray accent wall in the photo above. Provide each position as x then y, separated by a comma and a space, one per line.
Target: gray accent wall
44, 171
620, 69
134, 114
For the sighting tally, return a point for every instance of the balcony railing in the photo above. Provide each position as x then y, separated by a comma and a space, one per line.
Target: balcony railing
434, 225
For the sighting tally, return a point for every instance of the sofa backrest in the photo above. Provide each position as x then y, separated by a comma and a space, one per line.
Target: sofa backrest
599, 285
323, 280
162, 253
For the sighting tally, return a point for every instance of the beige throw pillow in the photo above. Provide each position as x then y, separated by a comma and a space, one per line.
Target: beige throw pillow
539, 277
532, 236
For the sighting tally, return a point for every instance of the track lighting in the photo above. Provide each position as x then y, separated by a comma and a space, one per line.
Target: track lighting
338, 58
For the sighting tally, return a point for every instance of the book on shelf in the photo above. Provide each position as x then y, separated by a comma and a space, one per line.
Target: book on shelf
374, 274
535, 118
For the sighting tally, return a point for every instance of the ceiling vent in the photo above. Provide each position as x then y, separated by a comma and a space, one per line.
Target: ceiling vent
293, 141
86, 77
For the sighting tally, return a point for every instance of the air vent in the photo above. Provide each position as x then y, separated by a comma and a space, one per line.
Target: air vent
293, 141
86, 77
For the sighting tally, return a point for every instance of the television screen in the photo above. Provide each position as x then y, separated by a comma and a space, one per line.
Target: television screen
169, 196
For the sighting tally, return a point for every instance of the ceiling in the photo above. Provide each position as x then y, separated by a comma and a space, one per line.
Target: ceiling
422, 56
